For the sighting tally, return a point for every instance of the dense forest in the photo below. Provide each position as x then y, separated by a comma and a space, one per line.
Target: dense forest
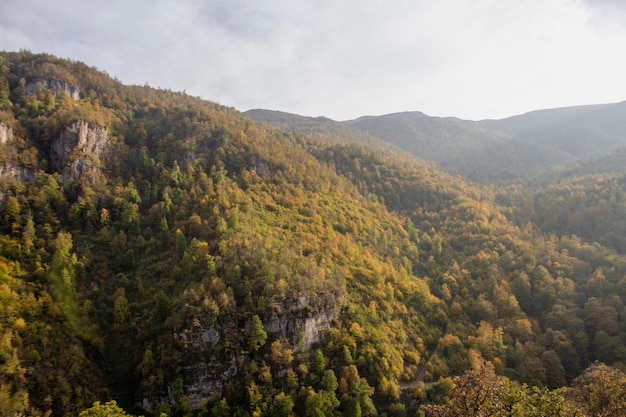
162, 254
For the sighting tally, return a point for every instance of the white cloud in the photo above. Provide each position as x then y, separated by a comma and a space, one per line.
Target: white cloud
342, 59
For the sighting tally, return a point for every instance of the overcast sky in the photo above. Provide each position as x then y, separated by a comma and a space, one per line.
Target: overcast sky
472, 59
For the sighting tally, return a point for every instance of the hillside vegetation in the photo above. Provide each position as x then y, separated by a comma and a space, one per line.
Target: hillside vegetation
177, 257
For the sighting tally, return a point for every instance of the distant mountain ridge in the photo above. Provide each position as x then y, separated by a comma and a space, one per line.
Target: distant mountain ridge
583, 131
330, 130
488, 150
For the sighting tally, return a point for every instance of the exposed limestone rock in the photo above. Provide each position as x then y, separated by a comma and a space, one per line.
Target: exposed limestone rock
57, 87
18, 172
215, 351
260, 167
76, 152
302, 321
6, 133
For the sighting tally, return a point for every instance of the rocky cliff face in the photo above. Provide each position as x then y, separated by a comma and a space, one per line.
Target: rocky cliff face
215, 351
18, 172
55, 86
77, 151
6, 133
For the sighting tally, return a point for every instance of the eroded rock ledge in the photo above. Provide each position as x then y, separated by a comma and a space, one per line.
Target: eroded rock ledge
215, 351
77, 151
55, 86
6, 133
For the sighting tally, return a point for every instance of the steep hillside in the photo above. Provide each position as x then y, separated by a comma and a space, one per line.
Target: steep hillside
500, 277
607, 164
575, 202
505, 162
166, 250
180, 258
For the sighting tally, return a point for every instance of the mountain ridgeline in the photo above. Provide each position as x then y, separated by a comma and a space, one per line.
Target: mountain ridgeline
487, 150
178, 257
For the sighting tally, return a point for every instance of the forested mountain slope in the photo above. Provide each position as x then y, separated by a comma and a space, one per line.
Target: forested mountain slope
576, 201
176, 256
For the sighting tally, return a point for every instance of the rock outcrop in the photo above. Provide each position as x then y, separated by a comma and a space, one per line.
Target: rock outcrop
77, 151
6, 133
16, 171
215, 351
55, 86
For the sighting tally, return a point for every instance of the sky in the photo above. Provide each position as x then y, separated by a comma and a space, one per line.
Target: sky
472, 59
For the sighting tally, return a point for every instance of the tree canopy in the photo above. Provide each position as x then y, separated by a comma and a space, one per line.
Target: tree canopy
220, 266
